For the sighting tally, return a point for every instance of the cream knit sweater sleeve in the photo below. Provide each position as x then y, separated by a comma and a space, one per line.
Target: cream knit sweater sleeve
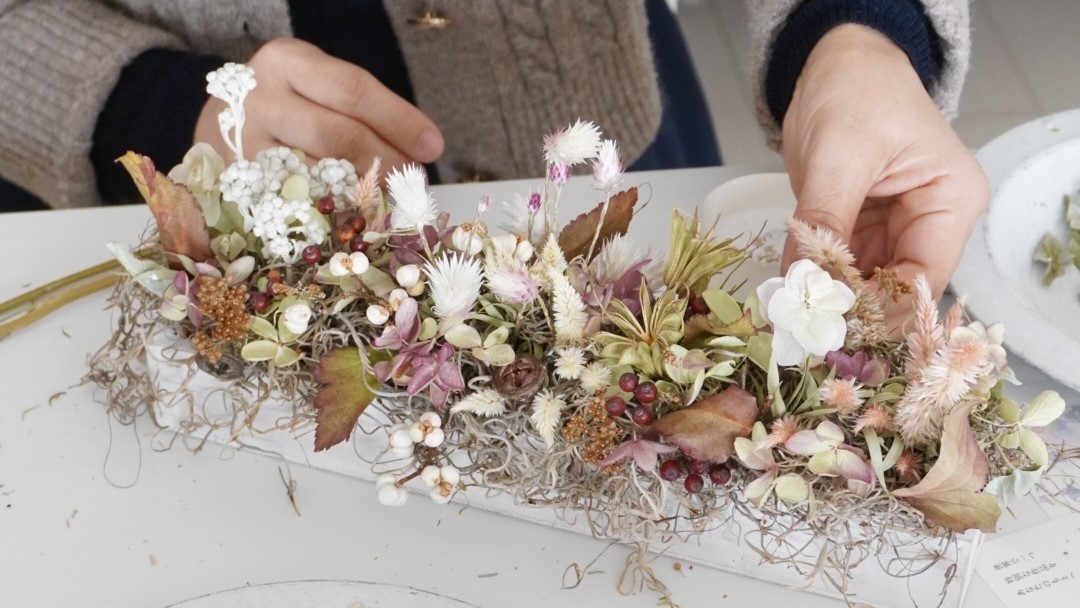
951, 21
61, 59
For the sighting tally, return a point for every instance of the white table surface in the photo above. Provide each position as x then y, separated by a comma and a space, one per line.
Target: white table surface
91, 515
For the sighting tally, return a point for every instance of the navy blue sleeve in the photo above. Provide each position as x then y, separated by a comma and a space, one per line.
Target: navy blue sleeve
902, 21
152, 110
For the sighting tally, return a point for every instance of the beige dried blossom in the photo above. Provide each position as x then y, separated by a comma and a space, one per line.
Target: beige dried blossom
875, 418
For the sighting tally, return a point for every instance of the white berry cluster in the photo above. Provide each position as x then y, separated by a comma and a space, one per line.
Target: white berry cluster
333, 177
427, 431
443, 481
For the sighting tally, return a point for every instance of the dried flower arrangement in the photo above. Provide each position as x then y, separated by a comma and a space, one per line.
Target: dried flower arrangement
565, 366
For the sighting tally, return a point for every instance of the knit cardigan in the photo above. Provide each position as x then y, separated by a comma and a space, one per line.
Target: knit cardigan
62, 58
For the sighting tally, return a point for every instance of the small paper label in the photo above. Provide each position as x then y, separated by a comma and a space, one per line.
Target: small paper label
1037, 567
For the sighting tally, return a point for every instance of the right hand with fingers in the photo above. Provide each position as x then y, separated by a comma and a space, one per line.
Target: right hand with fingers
325, 107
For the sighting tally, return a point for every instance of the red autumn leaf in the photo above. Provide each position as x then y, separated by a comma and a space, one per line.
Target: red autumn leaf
345, 390
576, 237
179, 217
707, 429
950, 495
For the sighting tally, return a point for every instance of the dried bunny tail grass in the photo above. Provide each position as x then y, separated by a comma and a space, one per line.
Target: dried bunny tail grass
866, 322
926, 335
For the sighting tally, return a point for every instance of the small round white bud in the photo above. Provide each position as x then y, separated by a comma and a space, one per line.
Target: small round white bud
407, 275
377, 314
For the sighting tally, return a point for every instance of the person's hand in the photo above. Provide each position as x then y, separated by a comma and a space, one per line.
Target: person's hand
326, 107
872, 158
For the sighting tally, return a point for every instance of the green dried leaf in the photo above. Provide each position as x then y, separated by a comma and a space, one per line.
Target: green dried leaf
722, 306
262, 328
576, 237
1034, 446
1015, 485
707, 429
346, 387
1051, 253
1045, 408
286, 357
259, 350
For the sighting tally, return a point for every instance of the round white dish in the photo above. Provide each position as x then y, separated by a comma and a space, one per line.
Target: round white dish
323, 594
759, 203
1030, 169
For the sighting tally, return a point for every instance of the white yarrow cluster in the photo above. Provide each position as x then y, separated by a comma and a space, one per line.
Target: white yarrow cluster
286, 227
231, 83
279, 164
242, 183
335, 178
414, 207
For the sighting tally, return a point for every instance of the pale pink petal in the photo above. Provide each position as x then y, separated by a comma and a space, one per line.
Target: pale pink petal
851, 466
754, 456
824, 463
807, 443
759, 489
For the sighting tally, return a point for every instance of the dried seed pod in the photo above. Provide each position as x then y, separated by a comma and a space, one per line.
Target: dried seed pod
522, 379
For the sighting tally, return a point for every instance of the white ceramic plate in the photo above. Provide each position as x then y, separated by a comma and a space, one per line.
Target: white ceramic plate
323, 594
1030, 168
759, 203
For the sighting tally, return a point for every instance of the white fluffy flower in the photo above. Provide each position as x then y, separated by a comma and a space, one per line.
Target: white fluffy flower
512, 286
485, 402
342, 263
806, 309
297, 317
455, 284
595, 377
547, 411
607, 168
414, 207
569, 362
573, 145
335, 178
520, 216
616, 257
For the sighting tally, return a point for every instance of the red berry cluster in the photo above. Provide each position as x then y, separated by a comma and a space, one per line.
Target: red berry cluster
641, 409
695, 471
